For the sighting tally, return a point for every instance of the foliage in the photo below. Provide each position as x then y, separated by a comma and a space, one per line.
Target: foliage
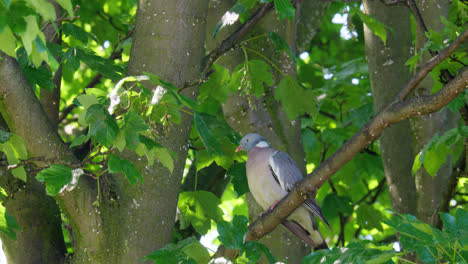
330, 97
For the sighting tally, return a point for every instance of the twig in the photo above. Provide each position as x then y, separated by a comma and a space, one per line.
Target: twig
62, 18
431, 64
393, 2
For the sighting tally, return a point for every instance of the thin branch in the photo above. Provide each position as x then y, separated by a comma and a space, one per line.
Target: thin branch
393, 113
431, 64
393, 2
116, 53
417, 15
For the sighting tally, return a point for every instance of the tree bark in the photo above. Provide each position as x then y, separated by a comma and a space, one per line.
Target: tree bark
431, 190
388, 74
138, 219
41, 238
168, 41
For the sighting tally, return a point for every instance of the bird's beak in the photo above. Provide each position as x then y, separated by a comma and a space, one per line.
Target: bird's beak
238, 148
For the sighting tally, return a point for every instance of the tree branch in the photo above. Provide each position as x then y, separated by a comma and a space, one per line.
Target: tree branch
431, 64
393, 113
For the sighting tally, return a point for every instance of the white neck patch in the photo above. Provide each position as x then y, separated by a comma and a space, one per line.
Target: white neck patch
262, 144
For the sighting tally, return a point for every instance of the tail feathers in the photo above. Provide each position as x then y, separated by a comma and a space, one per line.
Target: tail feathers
313, 207
303, 234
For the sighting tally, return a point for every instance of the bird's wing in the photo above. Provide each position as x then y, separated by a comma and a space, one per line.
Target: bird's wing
284, 169
312, 206
286, 173
303, 234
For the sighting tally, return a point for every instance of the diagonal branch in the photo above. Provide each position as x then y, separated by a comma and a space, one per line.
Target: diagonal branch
431, 64
393, 113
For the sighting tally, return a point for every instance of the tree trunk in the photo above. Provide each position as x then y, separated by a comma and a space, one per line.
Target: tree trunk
431, 190
138, 219
168, 41
388, 76
40, 239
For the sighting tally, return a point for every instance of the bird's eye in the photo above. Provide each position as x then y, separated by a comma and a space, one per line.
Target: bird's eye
247, 140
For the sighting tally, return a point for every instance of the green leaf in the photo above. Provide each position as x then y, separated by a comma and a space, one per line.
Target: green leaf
217, 85
285, 9
164, 156
119, 141
356, 252
210, 142
133, 124
20, 173
373, 24
238, 178
72, 62
251, 76
450, 223
18, 146
79, 140
44, 8
295, 99
18, 11
55, 178
4, 135
67, 5
8, 42
153, 149
368, 217
458, 102
8, 224
106, 67
39, 75
77, 32
116, 164
233, 235
196, 251
254, 250
102, 127
29, 40
187, 251
334, 204
281, 45
198, 209
435, 152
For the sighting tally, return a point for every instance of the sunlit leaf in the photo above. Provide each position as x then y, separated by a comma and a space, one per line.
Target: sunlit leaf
55, 178
102, 127
281, 45
232, 234
373, 24
295, 99
116, 164
198, 209
8, 41
77, 32
238, 178
79, 140
187, 251
8, 224
285, 9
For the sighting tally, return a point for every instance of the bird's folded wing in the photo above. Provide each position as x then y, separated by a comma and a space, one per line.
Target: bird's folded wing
286, 172
311, 205
285, 169
303, 234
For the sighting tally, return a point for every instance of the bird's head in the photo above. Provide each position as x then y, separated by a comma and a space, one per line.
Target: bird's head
250, 141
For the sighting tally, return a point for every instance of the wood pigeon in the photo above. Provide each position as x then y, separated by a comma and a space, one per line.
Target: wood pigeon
271, 174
